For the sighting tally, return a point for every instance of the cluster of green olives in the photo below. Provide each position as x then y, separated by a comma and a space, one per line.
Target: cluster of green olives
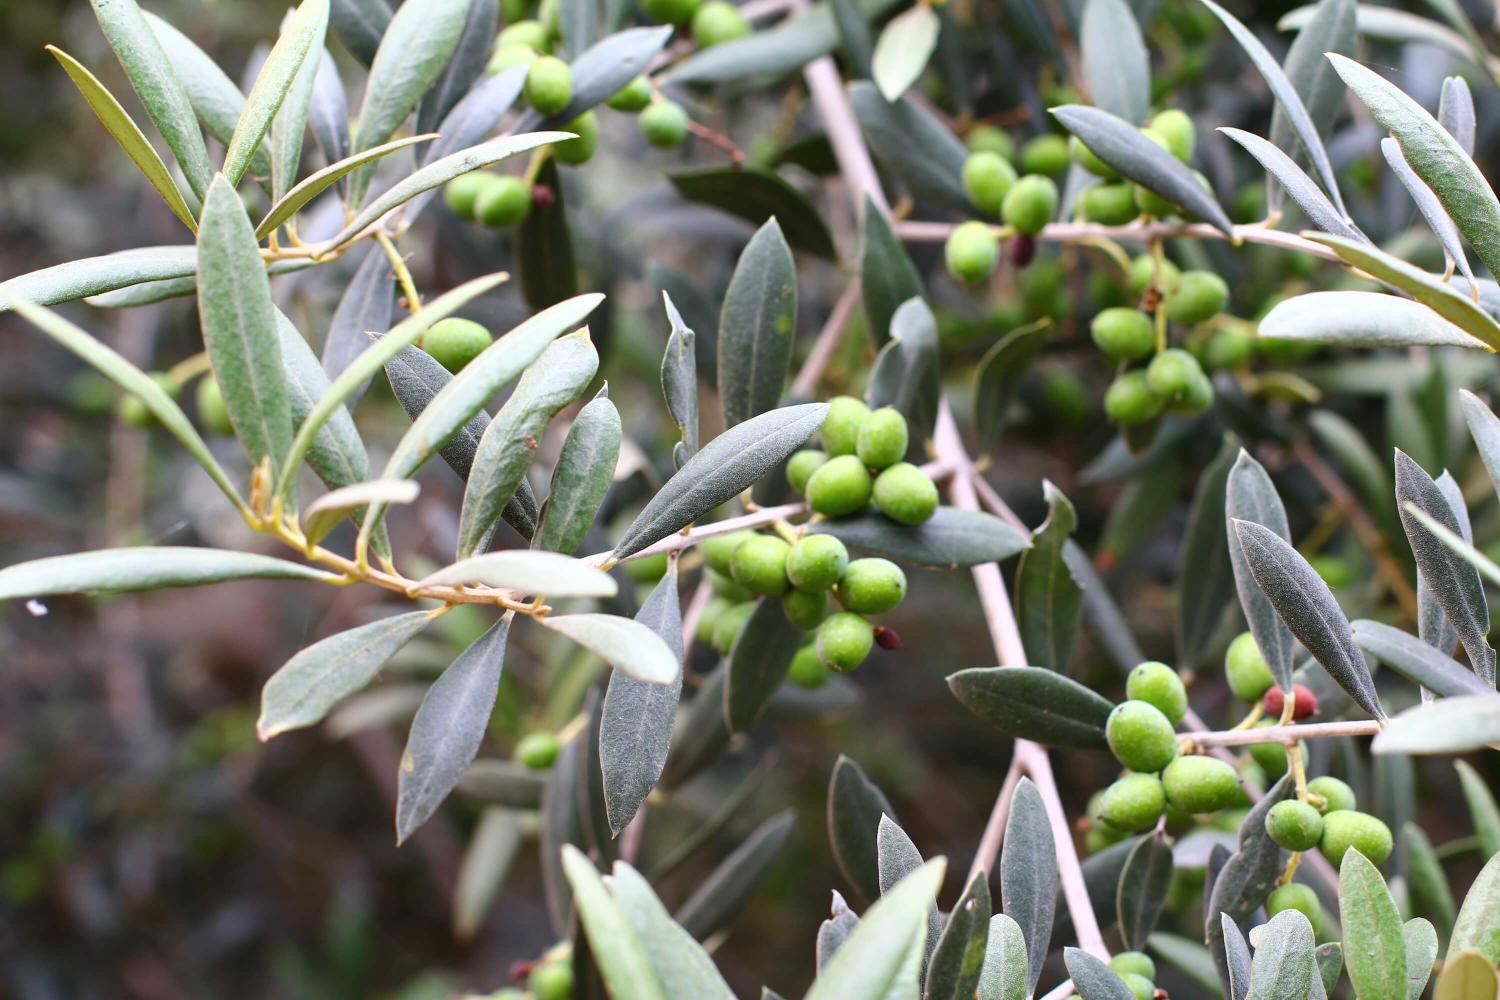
1116, 202
802, 575
1024, 201
712, 22
1136, 970
862, 461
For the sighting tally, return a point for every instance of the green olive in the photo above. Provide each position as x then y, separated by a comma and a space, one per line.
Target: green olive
580, 150
987, 179
872, 586
759, 565
502, 201
1140, 736
1348, 829
462, 192
718, 551
972, 252
537, 750
1199, 295
905, 494
1158, 685
1085, 158
805, 609
807, 669
1299, 897
1109, 204
1123, 333
632, 97
844, 640
801, 466
842, 423
1046, 154
1294, 825
841, 486
549, 85
1129, 400
1202, 785
816, 563
454, 342
1246, 669
1133, 803
212, 412
1030, 204
664, 124
1335, 795
882, 438
716, 22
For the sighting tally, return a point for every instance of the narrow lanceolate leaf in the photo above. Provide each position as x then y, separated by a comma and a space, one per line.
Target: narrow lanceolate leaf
324, 513
1135, 156
1303, 601
1436, 157
1034, 703
1237, 961
289, 127
907, 373
1417, 661
870, 961
912, 144
543, 246
477, 114
1456, 112
448, 728
97, 275
160, 91
905, 45
561, 825
757, 326
623, 644
833, 932
1251, 496
127, 133
788, 46
721, 896
951, 538
527, 571
1483, 809
958, 960
622, 957
897, 856
1432, 624
1028, 872
1143, 889
1374, 952
1362, 319
325, 673
1287, 100
1005, 975
475, 45
1446, 726
1454, 583
585, 468
727, 466
1246, 877
1479, 917
1049, 602
1308, 196
1484, 428
758, 665
1092, 978
999, 375
1467, 975
887, 276
413, 50
558, 377
487, 860
681, 964
302, 39
1430, 891
1421, 951
635, 730
360, 25
367, 306
1331, 28
757, 196
328, 111
1428, 204
1116, 67
239, 327
148, 567
855, 807
679, 382
1284, 967
503, 782
290, 203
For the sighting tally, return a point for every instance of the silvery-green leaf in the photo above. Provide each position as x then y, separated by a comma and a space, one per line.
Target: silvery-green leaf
1427, 203
1455, 542
1284, 967
360, 24
1430, 890
559, 375
1303, 601
1331, 28
1005, 975
887, 276
1417, 661
1362, 319
907, 371
1034, 703
1049, 602
913, 145
606, 67
958, 959
727, 466
901, 53
1143, 889
1455, 584
788, 46
1251, 496
302, 39
315, 680
757, 196
328, 111
561, 826
1483, 809
999, 374
473, 118
1093, 979
855, 807
1479, 915
758, 665
1116, 66
1238, 963
621, 955
622, 643
290, 203
324, 513
1244, 881
289, 127
896, 857
757, 326
870, 961
448, 728
1028, 872
1205, 580
527, 571
951, 538
1136, 157
1308, 196
1456, 112
1484, 428
1389, 24
161, 93
585, 468
487, 861
1421, 952
475, 45
1435, 156
679, 382
239, 327
149, 567
681, 964
833, 932
1450, 725
1374, 952
367, 306
720, 897
1432, 624
86, 276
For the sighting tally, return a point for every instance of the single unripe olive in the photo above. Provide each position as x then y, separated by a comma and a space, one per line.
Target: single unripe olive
1272, 757
503, 201
872, 586
531, 33
454, 342
1129, 400
1139, 986
1336, 796
1109, 204
1199, 295
537, 750
759, 565
632, 97
905, 494
1085, 158
1133, 803
718, 21
1171, 372
842, 423
670, 11
1176, 130
1299, 897
709, 619
1294, 825
1143, 270
1045, 154
1140, 736
882, 438
840, 486
511, 55
1158, 685
1137, 962
844, 640
801, 466
988, 178
549, 85
723, 585
462, 192
805, 609
1123, 333
1202, 785
727, 629
133, 410
816, 563
989, 139
647, 569
1152, 204
1198, 396
664, 124
1031, 204
552, 981
212, 412
1246, 670
580, 150
807, 669
972, 251
1229, 347
1364, 833
718, 551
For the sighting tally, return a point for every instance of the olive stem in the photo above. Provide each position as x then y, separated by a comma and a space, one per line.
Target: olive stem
1287, 734
403, 274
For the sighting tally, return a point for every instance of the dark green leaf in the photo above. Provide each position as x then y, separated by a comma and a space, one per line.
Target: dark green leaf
1425, 877
907, 373
475, 46
302, 40
1033, 703
1246, 878
759, 665
585, 468
1205, 580
1028, 872
913, 145
887, 275
855, 807
561, 825
1284, 967
721, 896
679, 382
1313, 202
1374, 952
1093, 979
958, 960
1116, 67
759, 196
1143, 889
1250, 495
788, 46
474, 118
1330, 29
604, 69
1139, 511
757, 326
1049, 602
1000, 373
544, 247
1330, 959
367, 306
853, 36
360, 25
1417, 661
951, 538
1189, 957
328, 111
702, 736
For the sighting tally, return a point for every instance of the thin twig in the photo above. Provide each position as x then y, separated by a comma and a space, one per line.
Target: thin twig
1287, 734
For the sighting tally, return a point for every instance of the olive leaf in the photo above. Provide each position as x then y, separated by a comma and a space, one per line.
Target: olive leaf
1421, 942
308, 685
1034, 703
367, 306
147, 567
328, 110
1100, 612
870, 962
1429, 886
951, 538
526, 571
624, 644
635, 730
790, 45
475, 45
289, 127
1143, 889
896, 857
759, 664
1028, 873
1238, 963
87, 276
1116, 66
1331, 28
1249, 495
1416, 660
360, 25
1484, 428
958, 960
1205, 580
887, 276
448, 728
999, 374
1136, 157
622, 957
853, 39
603, 69
726, 890
726, 467
907, 373
561, 826
679, 382
1428, 204
902, 51
833, 932
292, 201
1284, 967
1330, 959
913, 145
757, 326
1092, 978
1362, 319
1483, 809
585, 468
1449, 725
1049, 602
1308, 196
1246, 878
855, 807
544, 246
681, 964
324, 514
757, 196
473, 118
1374, 952
1479, 916
301, 37
1456, 112
1005, 975
702, 735
1469, 975
487, 860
